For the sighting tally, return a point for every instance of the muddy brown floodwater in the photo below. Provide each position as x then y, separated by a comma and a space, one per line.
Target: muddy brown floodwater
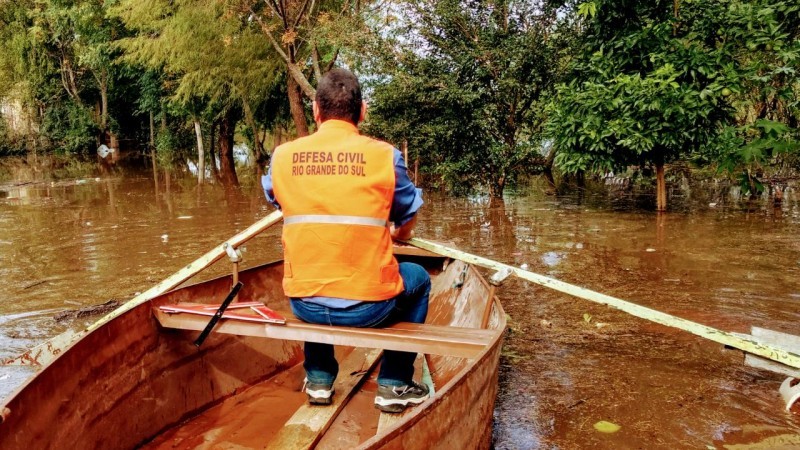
567, 363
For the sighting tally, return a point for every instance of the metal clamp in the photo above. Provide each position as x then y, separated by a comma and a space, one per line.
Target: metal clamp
461, 277
234, 254
500, 276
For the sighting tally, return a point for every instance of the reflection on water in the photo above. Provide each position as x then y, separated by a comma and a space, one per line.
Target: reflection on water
68, 244
568, 363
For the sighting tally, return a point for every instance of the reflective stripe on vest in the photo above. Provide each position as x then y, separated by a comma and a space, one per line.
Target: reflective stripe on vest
339, 220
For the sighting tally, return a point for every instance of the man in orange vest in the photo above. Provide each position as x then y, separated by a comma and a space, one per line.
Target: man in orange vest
340, 193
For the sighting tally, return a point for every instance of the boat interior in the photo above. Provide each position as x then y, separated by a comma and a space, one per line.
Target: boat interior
273, 412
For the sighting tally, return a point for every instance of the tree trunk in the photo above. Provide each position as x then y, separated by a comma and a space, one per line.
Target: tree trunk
68, 80
405, 156
227, 128
168, 189
212, 154
201, 154
258, 147
296, 107
152, 132
103, 107
496, 187
548, 167
155, 174
661, 188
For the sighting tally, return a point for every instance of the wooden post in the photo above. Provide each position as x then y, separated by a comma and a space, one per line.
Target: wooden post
495, 280
235, 255
748, 344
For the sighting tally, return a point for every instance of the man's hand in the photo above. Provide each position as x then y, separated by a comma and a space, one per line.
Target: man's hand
405, 231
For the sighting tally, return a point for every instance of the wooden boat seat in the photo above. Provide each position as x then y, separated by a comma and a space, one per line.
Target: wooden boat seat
409, 337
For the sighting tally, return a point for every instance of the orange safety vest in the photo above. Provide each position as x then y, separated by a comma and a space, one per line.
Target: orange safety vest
336, 188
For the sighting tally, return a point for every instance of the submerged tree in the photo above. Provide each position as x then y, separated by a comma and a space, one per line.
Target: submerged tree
658, 81
646, 89
222, 69
764, 134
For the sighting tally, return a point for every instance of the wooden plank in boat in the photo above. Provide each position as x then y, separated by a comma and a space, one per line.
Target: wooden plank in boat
304, 429
407, 337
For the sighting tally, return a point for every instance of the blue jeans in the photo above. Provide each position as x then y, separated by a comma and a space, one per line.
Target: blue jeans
411, 305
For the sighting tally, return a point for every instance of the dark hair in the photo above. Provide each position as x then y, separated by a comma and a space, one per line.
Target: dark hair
339, 96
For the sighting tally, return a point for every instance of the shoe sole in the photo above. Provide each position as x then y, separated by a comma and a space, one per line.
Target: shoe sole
396, 406
320, 397
320, 401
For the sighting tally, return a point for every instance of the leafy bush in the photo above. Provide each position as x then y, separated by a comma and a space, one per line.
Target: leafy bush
69, 128
173, 145
9, 143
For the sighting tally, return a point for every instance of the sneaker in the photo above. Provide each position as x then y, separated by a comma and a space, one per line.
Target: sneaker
395, 399
318, 394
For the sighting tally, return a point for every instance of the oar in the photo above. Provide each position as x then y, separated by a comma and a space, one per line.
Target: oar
45, 353
218, 315
744, 343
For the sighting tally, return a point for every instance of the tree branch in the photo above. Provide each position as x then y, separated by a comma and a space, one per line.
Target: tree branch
294, 71
330, 64
273, 6
315, 62
285, 21
300, 14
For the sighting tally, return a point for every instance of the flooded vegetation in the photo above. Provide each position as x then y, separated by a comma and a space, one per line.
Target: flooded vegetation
568, 364
627, 108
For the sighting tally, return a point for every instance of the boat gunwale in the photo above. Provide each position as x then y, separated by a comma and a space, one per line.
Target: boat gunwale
407, 421
426, 408
90, 330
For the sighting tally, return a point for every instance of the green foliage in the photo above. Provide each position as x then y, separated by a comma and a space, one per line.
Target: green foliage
56, 59
714, 81
588, 9
9, 143
236, 61
644, 91
471, 102
746, 152
69, 128
477, 88
238, 68
174, 145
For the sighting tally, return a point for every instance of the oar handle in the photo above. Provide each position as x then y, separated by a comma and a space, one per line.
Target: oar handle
218, 315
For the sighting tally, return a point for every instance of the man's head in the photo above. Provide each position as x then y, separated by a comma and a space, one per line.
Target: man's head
339, 97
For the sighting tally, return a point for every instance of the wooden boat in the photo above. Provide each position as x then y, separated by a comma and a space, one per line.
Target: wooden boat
138, 380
